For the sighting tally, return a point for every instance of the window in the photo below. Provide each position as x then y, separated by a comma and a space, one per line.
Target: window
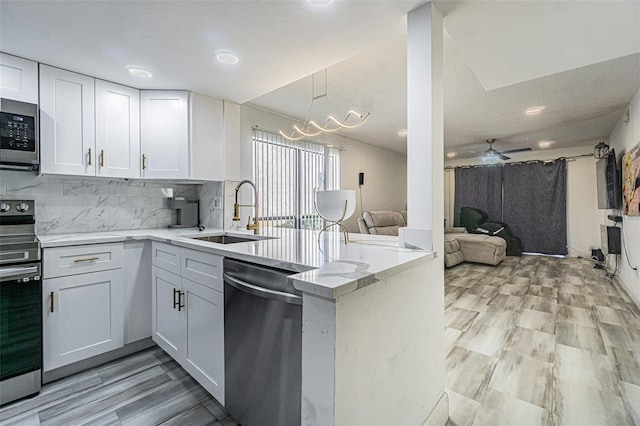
287, 173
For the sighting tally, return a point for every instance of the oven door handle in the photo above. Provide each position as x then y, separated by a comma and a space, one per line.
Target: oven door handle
11, 272
262, 292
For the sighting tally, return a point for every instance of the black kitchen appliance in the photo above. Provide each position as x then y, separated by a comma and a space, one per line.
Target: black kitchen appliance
19, 141
20, 302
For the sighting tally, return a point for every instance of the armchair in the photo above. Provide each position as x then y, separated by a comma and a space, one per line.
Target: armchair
476, 221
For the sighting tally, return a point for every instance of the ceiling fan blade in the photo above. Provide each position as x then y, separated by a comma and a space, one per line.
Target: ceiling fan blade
515, 150
503, 157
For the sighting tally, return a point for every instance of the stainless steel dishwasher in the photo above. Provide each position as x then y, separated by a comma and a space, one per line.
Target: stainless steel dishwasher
262, 345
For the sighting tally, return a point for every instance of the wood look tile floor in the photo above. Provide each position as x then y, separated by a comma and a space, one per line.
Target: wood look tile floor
147, 388
540, 341
533, 341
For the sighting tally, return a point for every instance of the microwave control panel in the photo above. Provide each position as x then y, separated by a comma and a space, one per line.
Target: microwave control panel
17, 132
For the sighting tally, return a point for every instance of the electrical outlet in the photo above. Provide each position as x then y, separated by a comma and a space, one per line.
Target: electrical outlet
217, 203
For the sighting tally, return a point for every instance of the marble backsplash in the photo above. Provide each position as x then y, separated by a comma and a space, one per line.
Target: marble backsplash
211, 215
71, 204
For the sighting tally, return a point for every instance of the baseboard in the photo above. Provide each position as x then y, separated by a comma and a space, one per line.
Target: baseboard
440, 413
622, 286
85, 364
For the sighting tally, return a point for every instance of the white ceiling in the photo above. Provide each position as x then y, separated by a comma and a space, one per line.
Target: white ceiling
580, 59
277, 41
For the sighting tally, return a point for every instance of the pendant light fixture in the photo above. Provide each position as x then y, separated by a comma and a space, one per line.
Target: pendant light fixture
311, 128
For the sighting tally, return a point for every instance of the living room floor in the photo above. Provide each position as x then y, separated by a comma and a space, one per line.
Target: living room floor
540, 340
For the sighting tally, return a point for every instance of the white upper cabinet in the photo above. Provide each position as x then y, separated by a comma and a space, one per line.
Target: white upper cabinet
207, 137
117, 130
67, 126
182, 135
164, 133
88, 127
18, 79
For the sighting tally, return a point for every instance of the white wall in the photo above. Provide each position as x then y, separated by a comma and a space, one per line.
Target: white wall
583, 216
389, 367
624, 137
385, 181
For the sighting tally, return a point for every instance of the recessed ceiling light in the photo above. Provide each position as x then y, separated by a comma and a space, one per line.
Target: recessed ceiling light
226, 57
535, 110
139, 72
545, 144
329, 146
451, 154
320, 3
402, 132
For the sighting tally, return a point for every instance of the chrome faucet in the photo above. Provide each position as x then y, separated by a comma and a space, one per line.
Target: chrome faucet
236, 206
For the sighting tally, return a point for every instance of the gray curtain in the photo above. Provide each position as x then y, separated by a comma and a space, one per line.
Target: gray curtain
480, 188
535, 205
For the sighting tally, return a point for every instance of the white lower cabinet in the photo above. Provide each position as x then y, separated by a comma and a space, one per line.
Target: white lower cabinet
203, 352
83, 300
188, 316
83, 316
167, 316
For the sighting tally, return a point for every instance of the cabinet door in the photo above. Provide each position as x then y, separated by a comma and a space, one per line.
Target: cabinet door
67, 123
18, 79
138, 293
206, 137
83, 316
167, 325
164, 134
203, 354
117, 130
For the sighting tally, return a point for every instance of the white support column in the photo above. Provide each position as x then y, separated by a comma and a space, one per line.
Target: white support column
425, 139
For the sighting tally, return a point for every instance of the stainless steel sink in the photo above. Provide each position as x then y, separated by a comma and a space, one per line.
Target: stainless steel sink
229, 239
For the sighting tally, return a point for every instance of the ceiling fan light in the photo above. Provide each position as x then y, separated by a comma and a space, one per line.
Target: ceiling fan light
491, 158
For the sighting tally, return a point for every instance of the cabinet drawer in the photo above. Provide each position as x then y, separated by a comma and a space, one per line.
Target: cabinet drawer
63, 261
203, 268
166, 256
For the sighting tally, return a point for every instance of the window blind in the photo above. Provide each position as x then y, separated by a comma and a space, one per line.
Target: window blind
287, 173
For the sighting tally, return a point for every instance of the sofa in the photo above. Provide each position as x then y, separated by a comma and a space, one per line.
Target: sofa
460, 246
382, 222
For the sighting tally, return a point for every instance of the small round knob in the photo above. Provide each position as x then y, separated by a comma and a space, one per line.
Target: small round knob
4, 207
22, 207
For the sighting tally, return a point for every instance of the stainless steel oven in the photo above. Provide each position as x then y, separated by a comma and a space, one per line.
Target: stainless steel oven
20, 302
19, 141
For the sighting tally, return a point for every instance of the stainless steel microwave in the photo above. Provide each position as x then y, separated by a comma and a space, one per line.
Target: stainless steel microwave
19, 135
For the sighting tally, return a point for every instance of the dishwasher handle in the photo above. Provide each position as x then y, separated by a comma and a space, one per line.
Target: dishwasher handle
262, 292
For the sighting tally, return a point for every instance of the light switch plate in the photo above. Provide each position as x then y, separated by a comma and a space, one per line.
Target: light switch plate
217, 203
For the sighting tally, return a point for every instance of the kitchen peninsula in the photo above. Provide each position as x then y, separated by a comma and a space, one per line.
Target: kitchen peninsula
371, 322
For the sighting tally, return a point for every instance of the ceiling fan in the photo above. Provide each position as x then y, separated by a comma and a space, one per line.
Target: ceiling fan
491, 155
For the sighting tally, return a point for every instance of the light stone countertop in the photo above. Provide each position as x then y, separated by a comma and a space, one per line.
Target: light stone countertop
325, 267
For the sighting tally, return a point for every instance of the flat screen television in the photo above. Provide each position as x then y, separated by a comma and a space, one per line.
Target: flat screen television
609, 188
